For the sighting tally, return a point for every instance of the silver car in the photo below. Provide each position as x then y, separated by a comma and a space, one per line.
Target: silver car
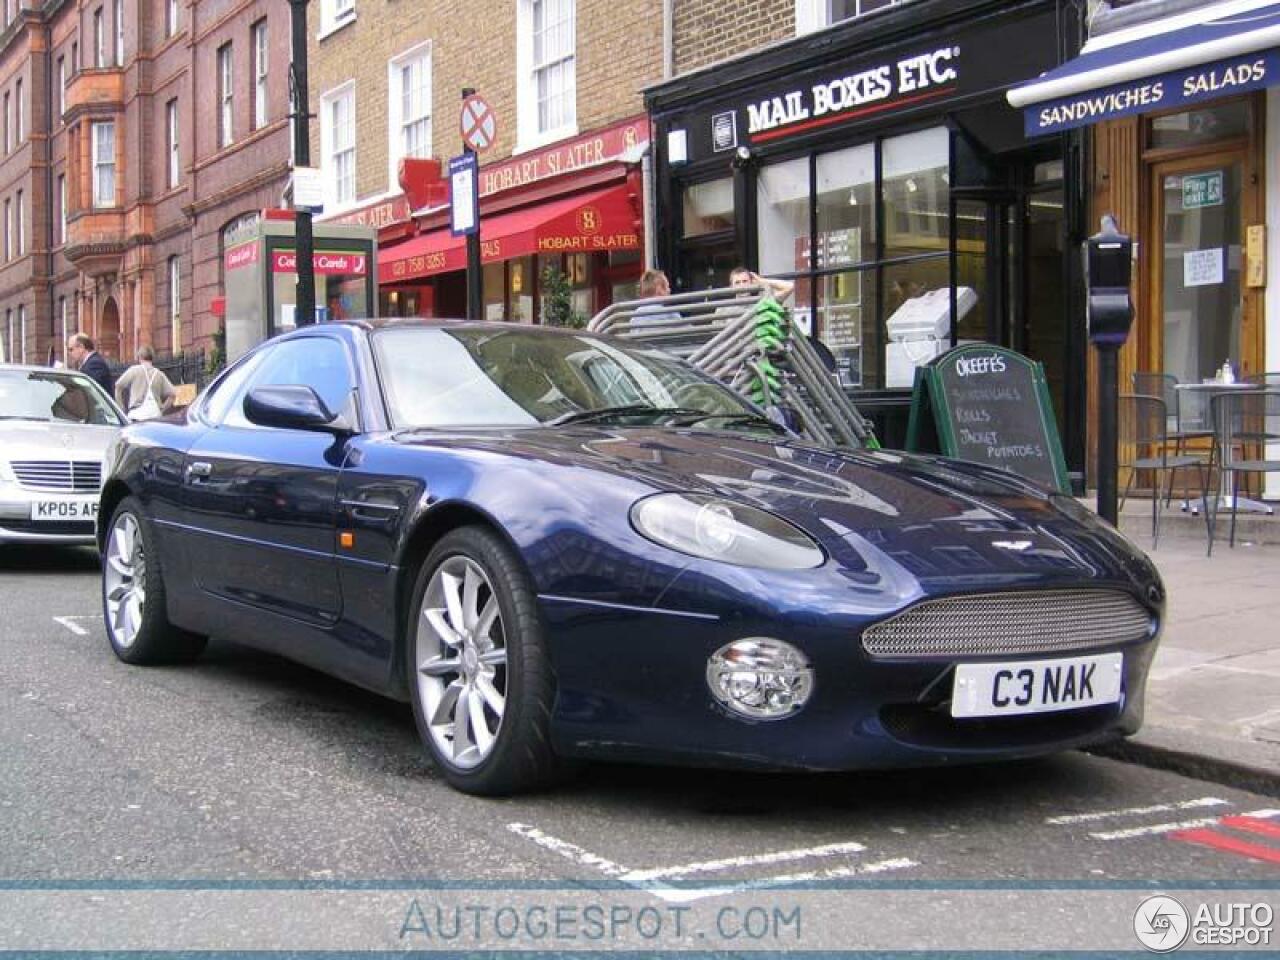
54, 429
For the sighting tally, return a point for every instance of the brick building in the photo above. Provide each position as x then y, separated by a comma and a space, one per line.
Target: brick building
561, 184
137, 133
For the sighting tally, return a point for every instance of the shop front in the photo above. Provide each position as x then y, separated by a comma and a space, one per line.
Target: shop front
565, 222
1185, 113
879, 167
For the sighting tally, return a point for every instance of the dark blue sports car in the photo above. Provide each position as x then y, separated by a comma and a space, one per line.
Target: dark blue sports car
559, 545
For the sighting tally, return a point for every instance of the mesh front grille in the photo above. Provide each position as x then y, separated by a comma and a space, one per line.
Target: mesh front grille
1010, 623
62, 476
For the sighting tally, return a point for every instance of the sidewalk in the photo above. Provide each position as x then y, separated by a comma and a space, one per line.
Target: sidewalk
1213, 699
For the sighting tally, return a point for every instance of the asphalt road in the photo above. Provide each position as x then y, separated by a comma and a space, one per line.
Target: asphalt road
244, 768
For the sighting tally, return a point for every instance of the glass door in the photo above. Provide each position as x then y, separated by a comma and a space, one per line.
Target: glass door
1196, 283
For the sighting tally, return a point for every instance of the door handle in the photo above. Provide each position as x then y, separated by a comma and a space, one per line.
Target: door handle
199, 470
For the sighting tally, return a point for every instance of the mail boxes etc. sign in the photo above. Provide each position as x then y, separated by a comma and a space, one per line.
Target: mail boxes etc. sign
990, 405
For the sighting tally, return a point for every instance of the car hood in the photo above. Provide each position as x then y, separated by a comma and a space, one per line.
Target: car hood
938, 519
39, 440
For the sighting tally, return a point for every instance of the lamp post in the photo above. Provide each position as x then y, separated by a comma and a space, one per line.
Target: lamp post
305, 310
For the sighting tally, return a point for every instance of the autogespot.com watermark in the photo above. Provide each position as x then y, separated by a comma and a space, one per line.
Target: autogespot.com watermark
543, 924
1162, 924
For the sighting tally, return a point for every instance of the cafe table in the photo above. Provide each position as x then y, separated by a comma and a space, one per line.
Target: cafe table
1205, 391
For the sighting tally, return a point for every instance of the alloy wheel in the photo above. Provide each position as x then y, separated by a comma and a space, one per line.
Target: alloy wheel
461, 657
124, 580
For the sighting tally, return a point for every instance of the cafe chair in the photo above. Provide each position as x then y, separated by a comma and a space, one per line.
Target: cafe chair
1184, 425
1245, 423
1144, 445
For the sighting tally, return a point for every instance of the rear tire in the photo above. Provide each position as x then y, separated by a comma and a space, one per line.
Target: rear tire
479, 675
133, 594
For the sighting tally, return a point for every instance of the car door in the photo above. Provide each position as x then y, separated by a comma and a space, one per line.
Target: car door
261, 501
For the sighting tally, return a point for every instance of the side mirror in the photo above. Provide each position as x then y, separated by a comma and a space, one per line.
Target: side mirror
292, 407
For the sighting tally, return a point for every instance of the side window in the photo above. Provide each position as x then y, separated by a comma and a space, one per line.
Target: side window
316, 362
228, 390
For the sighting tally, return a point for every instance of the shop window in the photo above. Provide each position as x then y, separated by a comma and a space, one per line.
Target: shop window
916, 189
708, 207
1221, 121
520, 285
782, 216
495, 290
846, 323
846, 181
971, 266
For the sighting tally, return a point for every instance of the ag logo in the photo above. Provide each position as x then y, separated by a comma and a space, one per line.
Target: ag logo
588, 221
1161, 924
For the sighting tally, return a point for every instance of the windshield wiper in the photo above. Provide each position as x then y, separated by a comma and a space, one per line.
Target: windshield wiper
740, 418
623, 410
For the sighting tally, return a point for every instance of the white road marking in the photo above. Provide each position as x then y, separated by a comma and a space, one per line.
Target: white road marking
650, 880
1266, 813
1137, 811
711, 866
1154, 829
70, 624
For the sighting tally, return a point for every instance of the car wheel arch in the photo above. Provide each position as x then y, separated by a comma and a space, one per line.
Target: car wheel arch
113, 492
429, 528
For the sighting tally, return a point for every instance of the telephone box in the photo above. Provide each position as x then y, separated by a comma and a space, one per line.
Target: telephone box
261, 279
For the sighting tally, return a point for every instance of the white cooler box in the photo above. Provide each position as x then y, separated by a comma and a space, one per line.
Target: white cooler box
919, 330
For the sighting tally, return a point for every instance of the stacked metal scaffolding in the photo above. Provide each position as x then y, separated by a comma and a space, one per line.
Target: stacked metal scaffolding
745, 338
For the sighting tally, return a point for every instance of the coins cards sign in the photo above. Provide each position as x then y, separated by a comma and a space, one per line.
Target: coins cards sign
1202, 190
478, 124
989, 405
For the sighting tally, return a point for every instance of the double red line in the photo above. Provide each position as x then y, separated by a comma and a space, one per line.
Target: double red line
1208, 837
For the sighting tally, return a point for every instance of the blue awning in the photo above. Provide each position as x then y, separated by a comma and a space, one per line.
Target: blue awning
1215, 51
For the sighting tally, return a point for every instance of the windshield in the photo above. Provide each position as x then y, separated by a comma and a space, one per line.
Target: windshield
53, 396
478, 376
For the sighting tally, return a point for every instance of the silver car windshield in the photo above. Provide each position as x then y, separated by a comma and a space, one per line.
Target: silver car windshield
49, 396
479, 376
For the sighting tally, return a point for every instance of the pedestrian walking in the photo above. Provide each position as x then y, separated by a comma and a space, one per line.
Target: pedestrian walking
84, 356
143, 391
654, 283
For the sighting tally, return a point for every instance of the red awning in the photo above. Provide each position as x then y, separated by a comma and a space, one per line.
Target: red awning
583, 223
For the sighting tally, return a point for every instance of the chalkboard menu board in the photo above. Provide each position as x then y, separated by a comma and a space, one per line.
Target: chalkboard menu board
990, 405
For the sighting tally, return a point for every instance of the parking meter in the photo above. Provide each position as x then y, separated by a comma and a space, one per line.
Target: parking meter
1108, 268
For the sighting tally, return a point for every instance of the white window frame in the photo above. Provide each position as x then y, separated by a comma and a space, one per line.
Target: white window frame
175, 304
8, 122
22, 330
117, 14
8, 230
174, 159
334, 15
170, 17
66, 329
99, 38
226, 92
61, 236
334, 197
100, 199
19, 114
814, 15
20, 223
260, 52
62, 89
529, 136
395, 108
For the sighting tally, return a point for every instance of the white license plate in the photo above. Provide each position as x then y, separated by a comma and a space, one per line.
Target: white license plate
64, 511
1036, 686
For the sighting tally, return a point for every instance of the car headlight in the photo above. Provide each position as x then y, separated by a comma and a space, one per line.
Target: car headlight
716, 529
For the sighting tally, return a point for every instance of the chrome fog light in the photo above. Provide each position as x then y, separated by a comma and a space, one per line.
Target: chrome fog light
760, 678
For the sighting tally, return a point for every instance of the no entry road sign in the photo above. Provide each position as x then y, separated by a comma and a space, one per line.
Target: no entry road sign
478, 124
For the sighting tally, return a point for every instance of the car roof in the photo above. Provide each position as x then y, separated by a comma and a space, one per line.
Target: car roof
348, 326
40, 368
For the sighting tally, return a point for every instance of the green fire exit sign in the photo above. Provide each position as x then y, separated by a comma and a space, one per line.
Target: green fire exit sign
1202, 190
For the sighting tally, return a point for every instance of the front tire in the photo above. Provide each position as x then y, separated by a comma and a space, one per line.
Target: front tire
133, 594
479, 675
